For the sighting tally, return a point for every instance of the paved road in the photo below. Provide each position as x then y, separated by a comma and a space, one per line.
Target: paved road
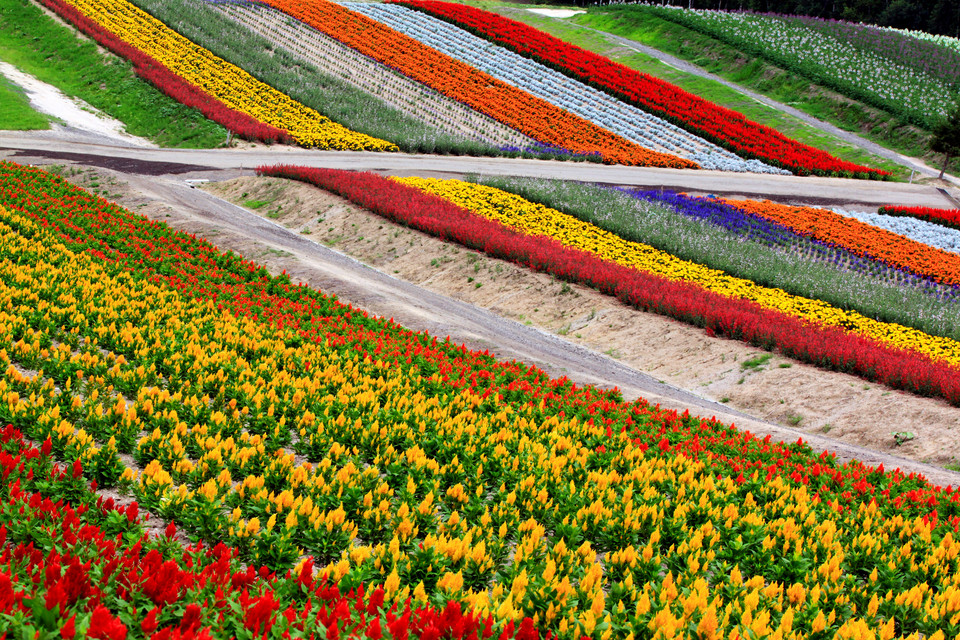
792, 189
826, 127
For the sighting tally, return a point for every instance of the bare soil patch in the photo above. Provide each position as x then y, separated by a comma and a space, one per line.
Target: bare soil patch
767, 386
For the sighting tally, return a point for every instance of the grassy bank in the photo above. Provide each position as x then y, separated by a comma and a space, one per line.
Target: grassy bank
16, 114
46, 48
757, 75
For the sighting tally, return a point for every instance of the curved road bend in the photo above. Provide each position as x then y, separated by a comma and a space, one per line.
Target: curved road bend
790, 189
420, 309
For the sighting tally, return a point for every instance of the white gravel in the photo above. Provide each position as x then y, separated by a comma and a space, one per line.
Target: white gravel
72, 112
556, 13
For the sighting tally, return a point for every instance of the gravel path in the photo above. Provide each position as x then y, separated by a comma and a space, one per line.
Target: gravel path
826, 127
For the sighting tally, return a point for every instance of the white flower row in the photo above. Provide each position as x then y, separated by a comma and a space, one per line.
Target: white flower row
944, 41
928, 233
834, 58
552, 86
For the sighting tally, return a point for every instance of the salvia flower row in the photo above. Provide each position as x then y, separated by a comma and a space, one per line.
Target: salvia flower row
945, 217
538, 220
724, 127
830, 347
510, 105
591, 104
224, 82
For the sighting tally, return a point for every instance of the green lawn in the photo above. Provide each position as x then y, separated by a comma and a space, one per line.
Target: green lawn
45, 48
16, 114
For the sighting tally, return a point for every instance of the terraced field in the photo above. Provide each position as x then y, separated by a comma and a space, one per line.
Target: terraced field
197, 444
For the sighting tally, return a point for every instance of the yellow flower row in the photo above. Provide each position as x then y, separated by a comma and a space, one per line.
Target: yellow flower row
539, 220
225, 82
508, 511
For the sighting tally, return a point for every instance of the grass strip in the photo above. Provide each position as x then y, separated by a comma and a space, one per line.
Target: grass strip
42, 46
16, 114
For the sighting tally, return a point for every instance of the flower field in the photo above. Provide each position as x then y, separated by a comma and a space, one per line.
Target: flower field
465, 497
721, 126
193, 71
861, 238
934, 56
552, 86
828, 55
724, 238
945, 217
538, 220
505, 103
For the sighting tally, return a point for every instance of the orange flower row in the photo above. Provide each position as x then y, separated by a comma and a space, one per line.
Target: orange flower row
860, 238
508, 104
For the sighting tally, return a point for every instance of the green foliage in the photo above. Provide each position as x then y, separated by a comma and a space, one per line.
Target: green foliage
946, 137
16, 114
45, 48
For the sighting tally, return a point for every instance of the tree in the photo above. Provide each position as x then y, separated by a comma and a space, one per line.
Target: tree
946, 138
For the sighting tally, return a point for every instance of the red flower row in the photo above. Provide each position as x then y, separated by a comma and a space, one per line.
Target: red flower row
828, 347
501, 101
62, 572
722, 126
171, 84
946, 217
195, 267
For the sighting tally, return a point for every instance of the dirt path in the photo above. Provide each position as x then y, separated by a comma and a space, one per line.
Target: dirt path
847, 136
861, 194
428, 285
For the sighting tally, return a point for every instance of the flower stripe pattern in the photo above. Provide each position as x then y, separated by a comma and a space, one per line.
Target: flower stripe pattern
924, 232
552, 86
170, 83
724, 127
436, 475
225, 82
538, 220
518, 109
860, 238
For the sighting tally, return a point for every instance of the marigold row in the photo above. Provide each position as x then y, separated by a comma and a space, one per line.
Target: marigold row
532, 116
208, 78
717, 124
